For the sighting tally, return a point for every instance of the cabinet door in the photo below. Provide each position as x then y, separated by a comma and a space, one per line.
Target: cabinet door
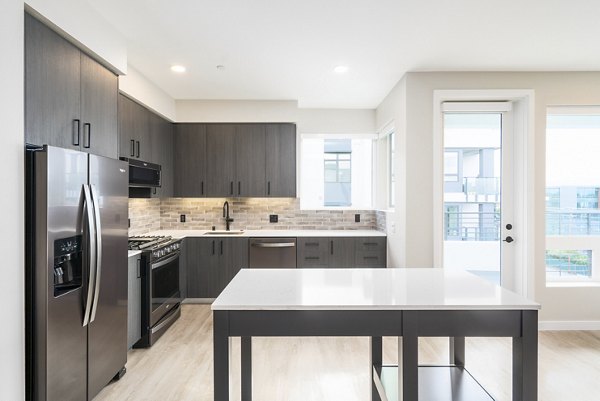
250, 160
371, 252
52, 88
162, 153
134, 130
99, 92
189, 149
313, 252
126, 113
235, 258
341, 252
201, 259
281, 160
220, 163
143, 121
134, 300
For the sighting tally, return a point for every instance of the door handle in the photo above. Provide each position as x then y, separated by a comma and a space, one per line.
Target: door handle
202, 188
138, 148
221, 247
88, 213
269, 188
96, 204
139, 268
132, 148
76, 132
231, 187
87, 133
239, 187
508, 239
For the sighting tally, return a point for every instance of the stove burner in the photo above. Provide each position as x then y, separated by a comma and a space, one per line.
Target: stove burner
146, 242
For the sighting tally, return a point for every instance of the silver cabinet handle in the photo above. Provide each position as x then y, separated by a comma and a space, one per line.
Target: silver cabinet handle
88, 212
96, 203
273, 244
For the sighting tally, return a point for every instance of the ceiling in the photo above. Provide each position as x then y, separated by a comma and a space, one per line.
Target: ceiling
287, 49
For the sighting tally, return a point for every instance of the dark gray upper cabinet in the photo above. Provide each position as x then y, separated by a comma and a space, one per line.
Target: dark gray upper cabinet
281, 160
134, 130
161, 139
242, 160
99, 92
70, 99
189, 150
220, 160
250, 160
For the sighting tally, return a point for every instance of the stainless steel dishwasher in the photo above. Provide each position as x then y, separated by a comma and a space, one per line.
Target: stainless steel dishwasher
269, 253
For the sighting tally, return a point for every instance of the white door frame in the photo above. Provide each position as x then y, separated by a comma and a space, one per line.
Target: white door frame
523, 128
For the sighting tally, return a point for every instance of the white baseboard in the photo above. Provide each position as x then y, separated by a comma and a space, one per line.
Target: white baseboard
569, 325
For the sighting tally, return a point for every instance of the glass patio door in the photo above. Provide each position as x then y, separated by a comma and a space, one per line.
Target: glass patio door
477, 191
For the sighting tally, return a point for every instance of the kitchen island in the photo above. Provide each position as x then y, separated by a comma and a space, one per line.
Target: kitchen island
403, 303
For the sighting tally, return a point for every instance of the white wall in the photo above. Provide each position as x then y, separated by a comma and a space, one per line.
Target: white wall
392, 110
247, 111
138, 87
12, 285
91, 31
558, 88
336, 121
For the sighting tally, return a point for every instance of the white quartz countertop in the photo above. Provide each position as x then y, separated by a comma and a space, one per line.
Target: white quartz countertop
273, 233
365, 289
133, 253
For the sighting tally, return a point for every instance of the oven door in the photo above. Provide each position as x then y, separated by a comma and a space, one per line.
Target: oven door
164, 287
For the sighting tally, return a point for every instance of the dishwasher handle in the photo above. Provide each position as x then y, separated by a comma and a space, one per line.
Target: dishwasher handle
273, 244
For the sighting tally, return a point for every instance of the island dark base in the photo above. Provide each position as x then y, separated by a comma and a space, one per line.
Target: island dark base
408, 325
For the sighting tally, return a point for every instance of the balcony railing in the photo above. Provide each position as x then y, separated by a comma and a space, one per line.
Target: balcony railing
573, 222
472, 226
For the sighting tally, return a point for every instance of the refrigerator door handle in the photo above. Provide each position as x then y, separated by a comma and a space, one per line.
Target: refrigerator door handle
96, 204
91, 228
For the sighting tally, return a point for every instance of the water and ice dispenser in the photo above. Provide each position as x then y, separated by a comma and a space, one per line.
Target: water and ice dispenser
68, 264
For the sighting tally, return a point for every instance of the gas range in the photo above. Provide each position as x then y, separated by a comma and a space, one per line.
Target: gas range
161, 295
158, 246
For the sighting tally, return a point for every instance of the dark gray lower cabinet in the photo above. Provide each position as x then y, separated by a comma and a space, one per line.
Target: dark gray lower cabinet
134, 300
211, 263
323, 252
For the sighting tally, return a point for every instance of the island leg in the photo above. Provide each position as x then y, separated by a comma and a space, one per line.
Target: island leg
376, 363
525, 354
457, 351
246, 351
408, 358
221, 355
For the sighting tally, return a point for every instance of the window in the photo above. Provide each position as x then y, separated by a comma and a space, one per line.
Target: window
451, 166
336, 171
391, 175
572, 191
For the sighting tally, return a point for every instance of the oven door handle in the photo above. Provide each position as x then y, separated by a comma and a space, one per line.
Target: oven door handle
164, 262
273, 244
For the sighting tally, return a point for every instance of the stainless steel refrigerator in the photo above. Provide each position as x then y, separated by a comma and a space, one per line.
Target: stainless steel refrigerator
76, 272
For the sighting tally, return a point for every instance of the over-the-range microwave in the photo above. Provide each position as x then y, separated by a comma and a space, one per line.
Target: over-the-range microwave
143, 174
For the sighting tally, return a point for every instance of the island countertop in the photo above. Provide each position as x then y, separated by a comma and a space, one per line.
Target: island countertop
366, 289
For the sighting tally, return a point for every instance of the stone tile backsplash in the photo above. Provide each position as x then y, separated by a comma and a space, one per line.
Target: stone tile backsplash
248, 214
144, 216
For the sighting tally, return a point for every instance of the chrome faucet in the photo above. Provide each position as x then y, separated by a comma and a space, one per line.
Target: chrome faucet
226, 215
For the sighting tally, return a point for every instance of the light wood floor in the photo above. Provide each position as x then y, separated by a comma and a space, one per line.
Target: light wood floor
179, 366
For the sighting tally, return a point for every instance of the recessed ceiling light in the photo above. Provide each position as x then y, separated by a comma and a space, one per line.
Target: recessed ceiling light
340, 69
178, 68
220, 67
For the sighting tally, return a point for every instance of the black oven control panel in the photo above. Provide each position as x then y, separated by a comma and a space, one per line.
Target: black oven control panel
166, 250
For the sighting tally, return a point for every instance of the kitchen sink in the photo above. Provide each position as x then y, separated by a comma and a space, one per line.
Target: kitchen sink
224, 232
